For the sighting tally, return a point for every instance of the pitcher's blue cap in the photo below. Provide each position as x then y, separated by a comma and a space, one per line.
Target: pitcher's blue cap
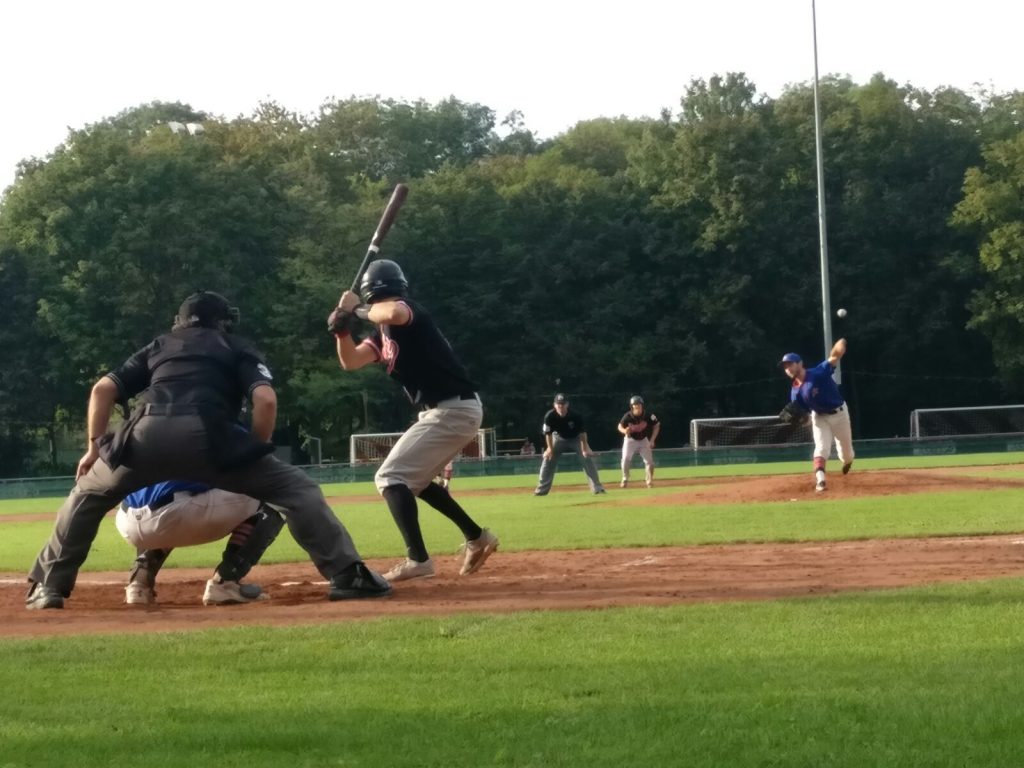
791, 357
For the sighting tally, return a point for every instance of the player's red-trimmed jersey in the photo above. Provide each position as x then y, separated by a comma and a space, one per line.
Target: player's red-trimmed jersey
419, 357
639, 426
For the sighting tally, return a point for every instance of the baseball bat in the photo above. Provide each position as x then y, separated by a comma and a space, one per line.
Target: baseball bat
383, 226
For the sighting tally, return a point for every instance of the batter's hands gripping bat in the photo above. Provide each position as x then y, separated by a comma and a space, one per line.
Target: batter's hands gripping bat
386, 220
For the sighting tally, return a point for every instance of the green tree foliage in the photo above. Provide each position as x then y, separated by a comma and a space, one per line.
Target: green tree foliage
675, 257
993, 204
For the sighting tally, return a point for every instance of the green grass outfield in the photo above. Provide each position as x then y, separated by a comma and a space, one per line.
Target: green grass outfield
927, 676
576, 519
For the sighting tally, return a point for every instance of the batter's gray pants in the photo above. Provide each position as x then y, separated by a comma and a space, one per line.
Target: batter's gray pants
560, 445
176, 448
428, 445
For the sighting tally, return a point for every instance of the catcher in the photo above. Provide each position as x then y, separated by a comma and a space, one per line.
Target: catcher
175, 513
816, 393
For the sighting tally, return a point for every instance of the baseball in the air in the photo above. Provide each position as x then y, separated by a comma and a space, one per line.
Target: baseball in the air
840, 313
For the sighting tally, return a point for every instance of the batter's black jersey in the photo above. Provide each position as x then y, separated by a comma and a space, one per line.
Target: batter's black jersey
568, 426
639, 426
419, 357
194, 366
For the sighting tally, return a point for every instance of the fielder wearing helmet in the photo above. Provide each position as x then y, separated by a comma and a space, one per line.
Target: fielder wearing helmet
406, 341
639, 431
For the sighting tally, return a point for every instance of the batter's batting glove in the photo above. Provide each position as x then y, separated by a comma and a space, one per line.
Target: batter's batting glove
339, 322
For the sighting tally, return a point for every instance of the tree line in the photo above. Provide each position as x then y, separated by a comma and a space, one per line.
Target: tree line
674, 257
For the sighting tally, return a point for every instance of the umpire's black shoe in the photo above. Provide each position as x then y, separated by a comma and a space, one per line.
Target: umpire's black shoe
41, 597
357, 581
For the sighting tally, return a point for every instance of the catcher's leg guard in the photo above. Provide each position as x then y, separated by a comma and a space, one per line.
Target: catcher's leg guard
147, 565
257, 533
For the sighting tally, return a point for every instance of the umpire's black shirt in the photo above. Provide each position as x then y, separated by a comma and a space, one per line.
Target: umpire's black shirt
566, 427
194, 366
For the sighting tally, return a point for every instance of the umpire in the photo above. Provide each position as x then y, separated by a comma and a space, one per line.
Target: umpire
192, 383
564, 431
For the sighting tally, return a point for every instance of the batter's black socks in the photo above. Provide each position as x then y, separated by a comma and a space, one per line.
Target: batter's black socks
402, 504
442, 501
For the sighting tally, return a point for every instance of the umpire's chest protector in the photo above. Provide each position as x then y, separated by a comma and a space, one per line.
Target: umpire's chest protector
205, 372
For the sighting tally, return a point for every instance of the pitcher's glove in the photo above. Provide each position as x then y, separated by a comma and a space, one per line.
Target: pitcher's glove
339, 322
793, 414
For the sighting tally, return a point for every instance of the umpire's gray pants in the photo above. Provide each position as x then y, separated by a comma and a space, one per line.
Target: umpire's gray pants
176, 448
560, 445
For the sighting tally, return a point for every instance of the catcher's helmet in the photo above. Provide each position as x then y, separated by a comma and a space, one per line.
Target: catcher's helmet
636, 400
206, 309
382, 279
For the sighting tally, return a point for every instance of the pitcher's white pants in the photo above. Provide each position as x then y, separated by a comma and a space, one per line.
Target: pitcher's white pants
829, 427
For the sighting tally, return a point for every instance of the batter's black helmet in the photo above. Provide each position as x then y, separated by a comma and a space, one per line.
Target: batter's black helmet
636, 400
382, 279
206, 309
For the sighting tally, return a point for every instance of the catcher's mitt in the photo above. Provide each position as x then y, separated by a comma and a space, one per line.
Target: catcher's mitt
794, 414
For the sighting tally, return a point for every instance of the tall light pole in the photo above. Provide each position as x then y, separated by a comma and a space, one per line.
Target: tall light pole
826, 301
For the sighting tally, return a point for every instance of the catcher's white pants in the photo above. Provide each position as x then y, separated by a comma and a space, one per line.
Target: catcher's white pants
829, 427
630, 447
186, 521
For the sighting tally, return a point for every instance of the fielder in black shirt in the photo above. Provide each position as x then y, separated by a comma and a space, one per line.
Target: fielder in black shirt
639, 430
409, 344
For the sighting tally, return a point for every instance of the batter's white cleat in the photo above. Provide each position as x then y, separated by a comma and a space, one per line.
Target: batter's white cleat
411, 569
820, 486
137, 593
477, 551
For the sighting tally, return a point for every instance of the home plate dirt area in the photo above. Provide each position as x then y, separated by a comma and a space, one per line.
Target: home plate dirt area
572, 580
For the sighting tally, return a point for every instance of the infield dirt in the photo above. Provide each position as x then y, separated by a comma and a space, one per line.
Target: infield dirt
577, 579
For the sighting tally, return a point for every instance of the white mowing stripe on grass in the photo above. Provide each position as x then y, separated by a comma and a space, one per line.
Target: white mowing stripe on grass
8, 582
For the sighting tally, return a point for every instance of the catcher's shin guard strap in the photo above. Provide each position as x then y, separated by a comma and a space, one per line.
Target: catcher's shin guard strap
239, 558
147, 565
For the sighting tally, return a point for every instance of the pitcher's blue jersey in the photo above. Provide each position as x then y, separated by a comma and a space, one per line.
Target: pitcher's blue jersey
819, 391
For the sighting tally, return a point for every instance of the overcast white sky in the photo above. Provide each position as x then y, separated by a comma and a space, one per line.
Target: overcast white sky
66, 64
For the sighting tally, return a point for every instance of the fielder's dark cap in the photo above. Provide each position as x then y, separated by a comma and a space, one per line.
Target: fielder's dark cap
790, 357
560, 398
